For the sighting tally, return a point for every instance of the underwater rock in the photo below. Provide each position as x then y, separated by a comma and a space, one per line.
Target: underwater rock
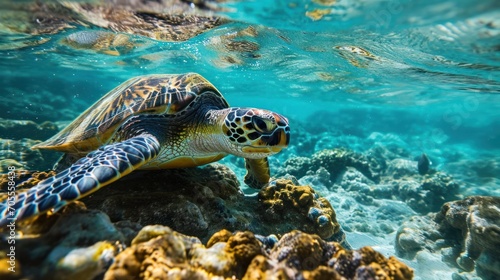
67, 244
416, 234
466, 231
193, 205
398, 168
181, 198
296, 166
337, 159
353, 180
429, 194
189, 202
368, 178
159, 253
482, 173
241, 255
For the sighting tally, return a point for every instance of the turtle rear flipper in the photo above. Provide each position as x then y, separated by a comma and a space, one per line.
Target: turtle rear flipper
96, 170
258, 173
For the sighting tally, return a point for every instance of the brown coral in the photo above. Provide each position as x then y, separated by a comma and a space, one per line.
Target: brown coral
176, 254
285, 201
298, 255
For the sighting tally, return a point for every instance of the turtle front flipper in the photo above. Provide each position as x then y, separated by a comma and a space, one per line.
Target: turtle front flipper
88, 174
258, 173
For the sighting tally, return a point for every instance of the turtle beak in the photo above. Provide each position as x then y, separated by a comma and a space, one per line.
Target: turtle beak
280, 138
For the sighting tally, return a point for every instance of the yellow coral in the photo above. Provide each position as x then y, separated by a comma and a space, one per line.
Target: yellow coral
286, 201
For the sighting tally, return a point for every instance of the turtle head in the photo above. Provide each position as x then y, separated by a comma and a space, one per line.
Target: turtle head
255, 133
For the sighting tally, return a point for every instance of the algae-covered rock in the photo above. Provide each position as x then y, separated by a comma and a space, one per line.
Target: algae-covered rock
24, 179
168, 254
74, 243
202, 201
302, 256
183, 199
240, 255
158, 252
189, 203
465, 231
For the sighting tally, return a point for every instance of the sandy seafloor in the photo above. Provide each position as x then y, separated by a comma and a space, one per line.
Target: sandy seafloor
386, 79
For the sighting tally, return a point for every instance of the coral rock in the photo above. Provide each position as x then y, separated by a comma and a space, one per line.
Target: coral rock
430, 194
297, 255
466, 231
285, 201
67, 244
335, 161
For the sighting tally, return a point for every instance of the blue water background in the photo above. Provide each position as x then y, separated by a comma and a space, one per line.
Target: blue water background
433, 70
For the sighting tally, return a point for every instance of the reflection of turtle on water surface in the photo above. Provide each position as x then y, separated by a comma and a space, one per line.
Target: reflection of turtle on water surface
172, 20
152, 122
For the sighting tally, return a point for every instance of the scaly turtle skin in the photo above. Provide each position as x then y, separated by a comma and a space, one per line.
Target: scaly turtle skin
152, 122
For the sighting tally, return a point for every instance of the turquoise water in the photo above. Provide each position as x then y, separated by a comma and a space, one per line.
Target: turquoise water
410, 75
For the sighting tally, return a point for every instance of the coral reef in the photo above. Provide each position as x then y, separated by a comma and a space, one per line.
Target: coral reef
335, 162
193, 205
282, 200
466, 232
189, 203
241, 255
427, 194
367, 178
78, 243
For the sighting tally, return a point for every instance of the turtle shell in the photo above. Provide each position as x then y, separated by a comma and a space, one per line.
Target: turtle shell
151, 94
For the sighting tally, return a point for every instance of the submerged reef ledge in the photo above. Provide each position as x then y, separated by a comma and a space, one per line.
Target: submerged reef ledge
466, 233
158, 252
152, 225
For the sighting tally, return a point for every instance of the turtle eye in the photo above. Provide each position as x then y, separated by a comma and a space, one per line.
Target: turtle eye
263, 125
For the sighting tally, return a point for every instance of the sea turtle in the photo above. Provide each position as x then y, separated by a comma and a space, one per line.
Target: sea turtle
152, 122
